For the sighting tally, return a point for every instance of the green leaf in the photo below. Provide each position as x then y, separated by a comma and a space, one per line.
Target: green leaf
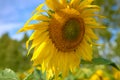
8, 74
29, 77
36, 75
100, 61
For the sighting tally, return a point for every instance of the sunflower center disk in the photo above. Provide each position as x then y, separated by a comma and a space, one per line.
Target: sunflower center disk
71, 30
67, 36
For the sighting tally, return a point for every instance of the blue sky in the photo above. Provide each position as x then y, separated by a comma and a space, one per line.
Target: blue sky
14, 14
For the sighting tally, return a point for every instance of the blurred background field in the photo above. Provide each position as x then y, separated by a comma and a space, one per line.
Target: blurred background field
15, 13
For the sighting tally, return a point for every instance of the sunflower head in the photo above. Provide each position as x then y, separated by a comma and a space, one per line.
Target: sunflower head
63, 35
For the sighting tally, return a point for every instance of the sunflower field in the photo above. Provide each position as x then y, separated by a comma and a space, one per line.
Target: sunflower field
69, 40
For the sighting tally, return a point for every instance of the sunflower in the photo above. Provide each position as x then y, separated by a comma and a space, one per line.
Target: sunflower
63, 34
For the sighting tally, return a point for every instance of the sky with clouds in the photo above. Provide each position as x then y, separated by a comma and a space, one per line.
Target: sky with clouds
14, 14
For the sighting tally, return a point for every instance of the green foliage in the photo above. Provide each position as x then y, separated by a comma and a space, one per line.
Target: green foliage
13, 54
110, 36
117, 47
101, 61
8, 74
80, 74
110, 9
36, 75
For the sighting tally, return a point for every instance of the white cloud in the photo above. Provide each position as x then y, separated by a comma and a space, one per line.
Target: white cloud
14, 13
8, 27
17, 36
12, 29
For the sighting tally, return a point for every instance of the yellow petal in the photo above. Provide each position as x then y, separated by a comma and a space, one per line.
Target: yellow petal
41, 18
87, 38
37, 40
90, 7
89, 11
40, 44
64, 3
31, 38
82, 53
91, 34
43, 67
36, 12
85, 2
65, 68
39, 26
39, 50
92, 15
86, 51
53, 52
90, 21
54, 4
93, 24
38, 9
75, 3
36, 35
99, 26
